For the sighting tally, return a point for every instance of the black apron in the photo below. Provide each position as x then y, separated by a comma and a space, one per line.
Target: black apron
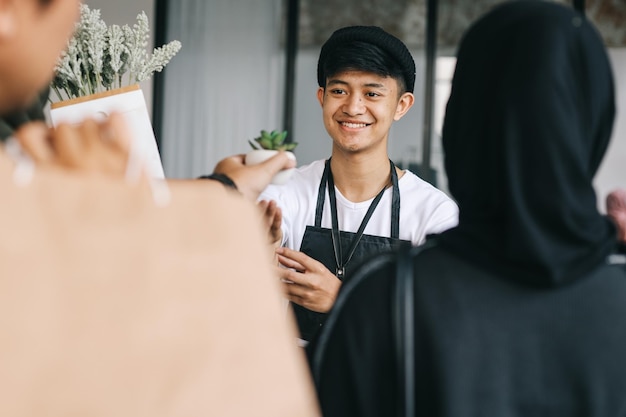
342, 252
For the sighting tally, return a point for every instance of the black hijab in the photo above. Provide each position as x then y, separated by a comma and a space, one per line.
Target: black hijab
526, 127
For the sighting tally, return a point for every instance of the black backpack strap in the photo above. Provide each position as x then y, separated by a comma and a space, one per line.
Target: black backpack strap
402, 316
403, 326
403, 330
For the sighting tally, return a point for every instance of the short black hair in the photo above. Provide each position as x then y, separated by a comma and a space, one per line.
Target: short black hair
366, 48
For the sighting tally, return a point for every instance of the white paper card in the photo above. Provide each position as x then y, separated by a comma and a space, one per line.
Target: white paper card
129, 102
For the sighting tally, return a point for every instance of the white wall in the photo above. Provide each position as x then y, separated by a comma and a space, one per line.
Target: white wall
121, 12
224, 86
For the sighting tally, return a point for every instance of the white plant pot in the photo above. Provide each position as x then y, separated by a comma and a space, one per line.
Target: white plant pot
257, 156
131, 104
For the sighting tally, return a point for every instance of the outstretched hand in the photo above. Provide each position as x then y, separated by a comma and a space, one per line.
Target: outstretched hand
104, 147
251, 180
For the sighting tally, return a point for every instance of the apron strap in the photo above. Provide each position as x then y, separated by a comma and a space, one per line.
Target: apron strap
321, 195
341, 262
327, 178
395, 203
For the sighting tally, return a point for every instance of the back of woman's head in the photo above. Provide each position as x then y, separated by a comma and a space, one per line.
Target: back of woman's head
527, 124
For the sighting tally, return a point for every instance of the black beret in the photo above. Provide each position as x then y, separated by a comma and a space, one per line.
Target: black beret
375, 36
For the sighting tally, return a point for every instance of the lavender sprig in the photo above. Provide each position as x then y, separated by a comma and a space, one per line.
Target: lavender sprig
159, 59
98, 57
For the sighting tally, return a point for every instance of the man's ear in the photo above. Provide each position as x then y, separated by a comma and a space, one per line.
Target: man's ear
8, 23
320, 95
404, 104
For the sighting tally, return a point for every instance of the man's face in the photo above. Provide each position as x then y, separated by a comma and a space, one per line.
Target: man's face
358, 109
32, 35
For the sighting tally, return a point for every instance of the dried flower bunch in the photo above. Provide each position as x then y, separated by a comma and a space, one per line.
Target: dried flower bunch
100, 57
273, 140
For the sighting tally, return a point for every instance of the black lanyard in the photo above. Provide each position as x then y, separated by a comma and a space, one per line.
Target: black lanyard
327, 179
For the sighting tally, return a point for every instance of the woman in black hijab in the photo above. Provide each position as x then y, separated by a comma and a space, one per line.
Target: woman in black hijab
517, 311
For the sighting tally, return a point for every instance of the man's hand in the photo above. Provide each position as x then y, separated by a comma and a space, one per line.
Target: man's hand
91, 147
251, 180
309, 283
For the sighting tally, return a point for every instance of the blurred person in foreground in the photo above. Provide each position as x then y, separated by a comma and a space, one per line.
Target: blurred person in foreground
109, 305
518, 310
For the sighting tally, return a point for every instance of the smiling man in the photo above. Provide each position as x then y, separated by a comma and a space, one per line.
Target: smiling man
339, 211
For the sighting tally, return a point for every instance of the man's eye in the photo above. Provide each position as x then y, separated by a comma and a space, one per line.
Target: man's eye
337, 91
372, 94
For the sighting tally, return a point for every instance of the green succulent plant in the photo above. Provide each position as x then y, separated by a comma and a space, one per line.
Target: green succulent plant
274, 140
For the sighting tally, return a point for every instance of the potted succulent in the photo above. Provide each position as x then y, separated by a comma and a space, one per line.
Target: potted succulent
267, 145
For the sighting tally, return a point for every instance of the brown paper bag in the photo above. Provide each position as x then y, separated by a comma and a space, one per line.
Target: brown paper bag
112, 306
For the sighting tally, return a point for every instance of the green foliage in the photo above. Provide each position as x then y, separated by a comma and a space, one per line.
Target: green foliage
273, 140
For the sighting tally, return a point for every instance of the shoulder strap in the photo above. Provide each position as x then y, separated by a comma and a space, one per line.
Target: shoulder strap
402, 316
403, 333
403, 326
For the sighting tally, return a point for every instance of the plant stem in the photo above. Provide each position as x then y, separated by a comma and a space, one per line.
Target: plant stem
58, 93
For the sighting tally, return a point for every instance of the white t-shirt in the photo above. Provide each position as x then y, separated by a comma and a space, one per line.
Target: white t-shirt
424, 209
